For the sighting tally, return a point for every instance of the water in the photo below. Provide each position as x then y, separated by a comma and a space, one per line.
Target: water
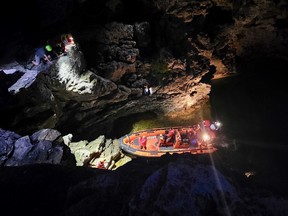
253, 109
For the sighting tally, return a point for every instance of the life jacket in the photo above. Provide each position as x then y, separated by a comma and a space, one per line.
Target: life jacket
143, 141
206, 123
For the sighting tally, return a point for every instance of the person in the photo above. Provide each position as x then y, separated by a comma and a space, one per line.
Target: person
161, 141
57, 45
206, 123
197, 128
143, 142
60, 49
177, 143
40, 54
53, 49
101, 164
192, 137
146, 90
50, 52
170, 135
67, 39
151, 91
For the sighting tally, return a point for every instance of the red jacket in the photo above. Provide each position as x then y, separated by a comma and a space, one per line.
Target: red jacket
143, 141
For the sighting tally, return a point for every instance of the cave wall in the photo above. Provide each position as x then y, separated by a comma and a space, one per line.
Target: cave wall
130, 44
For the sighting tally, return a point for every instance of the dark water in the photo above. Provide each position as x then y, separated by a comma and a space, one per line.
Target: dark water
253, 109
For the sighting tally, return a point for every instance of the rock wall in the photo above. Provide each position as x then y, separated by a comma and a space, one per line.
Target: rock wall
176, 47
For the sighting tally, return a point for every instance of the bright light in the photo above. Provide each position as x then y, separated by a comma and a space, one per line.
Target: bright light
71, 39
218, 124
206, 137
215, 126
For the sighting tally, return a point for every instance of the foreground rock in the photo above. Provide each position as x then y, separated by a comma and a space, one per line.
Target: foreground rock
100, 150
43, 147
170, 185
48, 146
47, 166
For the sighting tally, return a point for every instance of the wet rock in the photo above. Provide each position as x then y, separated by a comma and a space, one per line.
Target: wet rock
42, 147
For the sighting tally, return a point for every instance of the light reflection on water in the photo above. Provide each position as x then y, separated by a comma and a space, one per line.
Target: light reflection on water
148, 120
159, 121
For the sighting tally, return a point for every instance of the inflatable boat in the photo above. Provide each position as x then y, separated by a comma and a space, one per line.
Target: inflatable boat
195, 139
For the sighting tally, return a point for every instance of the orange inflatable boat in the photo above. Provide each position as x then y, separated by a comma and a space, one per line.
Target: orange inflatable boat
196, 139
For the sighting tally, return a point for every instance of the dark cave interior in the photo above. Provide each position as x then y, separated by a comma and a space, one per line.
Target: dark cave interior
263, 70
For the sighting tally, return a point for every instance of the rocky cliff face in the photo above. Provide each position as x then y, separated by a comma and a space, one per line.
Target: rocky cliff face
177, 53
172, 46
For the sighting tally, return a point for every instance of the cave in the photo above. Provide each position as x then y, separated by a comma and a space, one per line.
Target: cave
210, 59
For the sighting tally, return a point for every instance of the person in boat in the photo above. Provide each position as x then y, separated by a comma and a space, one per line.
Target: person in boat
178, 141
143, 142
206, 123
161, 141
192, 137
197, 128
170, 135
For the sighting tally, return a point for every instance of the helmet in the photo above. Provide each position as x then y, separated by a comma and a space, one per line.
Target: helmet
48, 48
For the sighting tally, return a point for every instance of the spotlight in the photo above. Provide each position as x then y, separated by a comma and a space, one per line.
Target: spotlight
206, 137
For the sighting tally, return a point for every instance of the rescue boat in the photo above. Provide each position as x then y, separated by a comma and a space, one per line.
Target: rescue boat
195, 139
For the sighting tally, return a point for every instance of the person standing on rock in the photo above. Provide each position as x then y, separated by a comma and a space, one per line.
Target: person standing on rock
146, 90
40, 54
